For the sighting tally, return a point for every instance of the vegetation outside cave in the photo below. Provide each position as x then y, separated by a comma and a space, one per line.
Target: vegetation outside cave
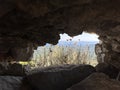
68, 51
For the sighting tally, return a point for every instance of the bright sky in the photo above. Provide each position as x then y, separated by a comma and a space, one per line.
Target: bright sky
83, 37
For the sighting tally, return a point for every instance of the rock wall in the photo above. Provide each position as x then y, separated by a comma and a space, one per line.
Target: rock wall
109, 50
25, 24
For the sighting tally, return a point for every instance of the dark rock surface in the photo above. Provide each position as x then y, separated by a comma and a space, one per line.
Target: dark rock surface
107, 69
100, 53
10, 83
15, 69
97, 81
58, 78
25, 22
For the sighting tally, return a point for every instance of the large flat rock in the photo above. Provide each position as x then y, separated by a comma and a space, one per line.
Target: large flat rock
58, 78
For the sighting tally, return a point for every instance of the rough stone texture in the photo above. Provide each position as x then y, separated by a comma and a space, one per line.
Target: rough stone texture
15, 69
108, 69
97, 81
100, 53
36, 21
58, 78
16, 52
110, 47
10, 83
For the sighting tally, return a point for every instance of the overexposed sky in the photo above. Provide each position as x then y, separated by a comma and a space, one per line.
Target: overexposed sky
83, 37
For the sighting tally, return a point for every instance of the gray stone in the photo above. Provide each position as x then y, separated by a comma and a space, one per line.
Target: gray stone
58, 78
97, 81
10, 83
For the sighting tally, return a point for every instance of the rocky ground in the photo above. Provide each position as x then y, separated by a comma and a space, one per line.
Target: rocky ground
65, 77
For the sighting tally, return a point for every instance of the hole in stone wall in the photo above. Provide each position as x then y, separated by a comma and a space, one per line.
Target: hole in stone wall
83, 45
69, 50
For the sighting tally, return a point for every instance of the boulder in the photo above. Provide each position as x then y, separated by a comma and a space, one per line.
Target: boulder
97, 81
14, 69
10, 83
107, 69
58, 78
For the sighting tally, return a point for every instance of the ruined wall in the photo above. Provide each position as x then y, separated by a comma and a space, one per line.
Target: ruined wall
25, 24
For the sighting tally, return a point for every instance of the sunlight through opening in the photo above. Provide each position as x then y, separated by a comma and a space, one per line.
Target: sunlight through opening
69, 50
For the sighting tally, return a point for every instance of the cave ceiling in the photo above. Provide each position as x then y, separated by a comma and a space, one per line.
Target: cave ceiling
26, 22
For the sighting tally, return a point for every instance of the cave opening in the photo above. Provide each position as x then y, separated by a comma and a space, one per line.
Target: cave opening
79, 49
27, 24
